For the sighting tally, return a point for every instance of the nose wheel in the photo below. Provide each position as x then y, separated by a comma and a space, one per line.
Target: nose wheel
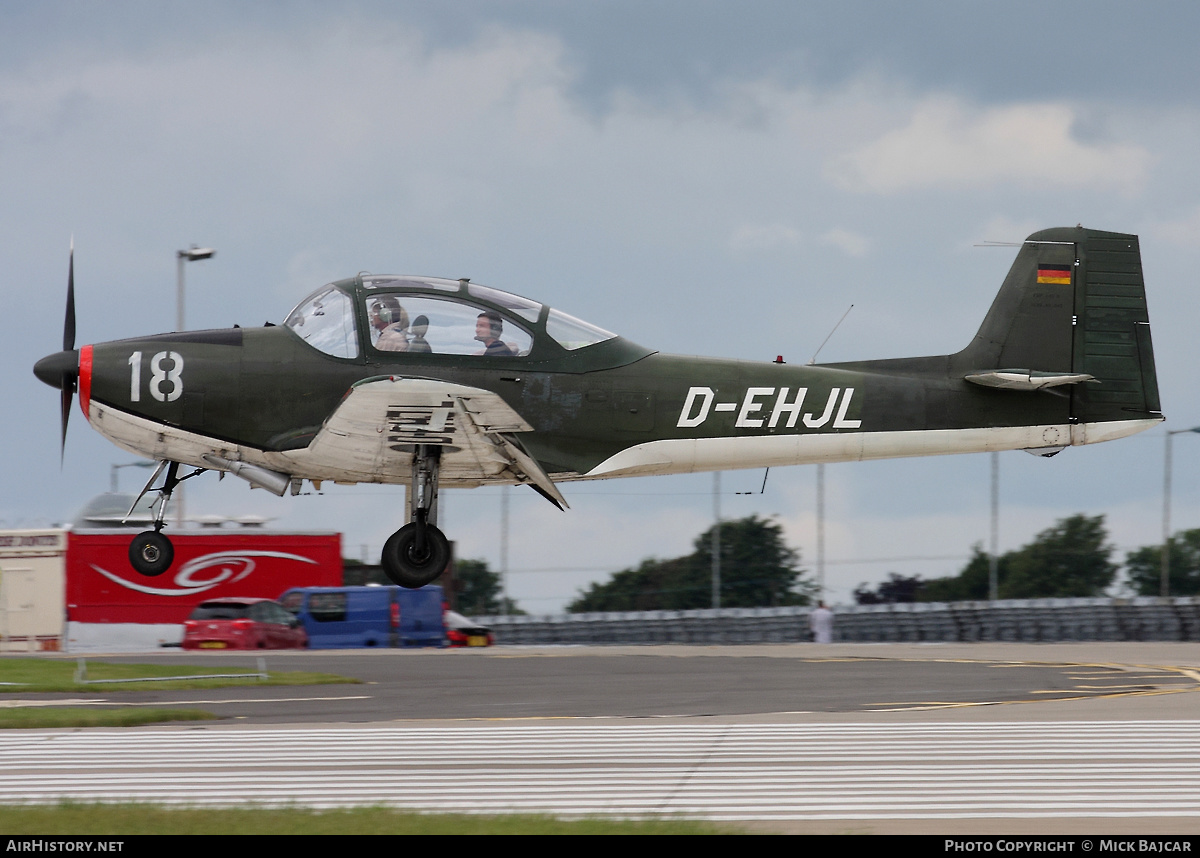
151, 553
416, 554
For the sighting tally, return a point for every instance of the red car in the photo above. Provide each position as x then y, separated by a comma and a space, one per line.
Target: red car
461, 631
235, 623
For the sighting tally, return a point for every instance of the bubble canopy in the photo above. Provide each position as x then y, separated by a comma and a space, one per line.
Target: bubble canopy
373, 314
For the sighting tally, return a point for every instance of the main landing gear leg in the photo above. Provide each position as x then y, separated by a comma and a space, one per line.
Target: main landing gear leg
151, 553
417, 553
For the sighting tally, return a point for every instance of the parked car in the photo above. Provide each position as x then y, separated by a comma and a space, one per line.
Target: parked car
337, 617
242, 623
463, 631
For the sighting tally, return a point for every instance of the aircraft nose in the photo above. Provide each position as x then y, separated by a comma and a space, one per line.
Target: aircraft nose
52, 369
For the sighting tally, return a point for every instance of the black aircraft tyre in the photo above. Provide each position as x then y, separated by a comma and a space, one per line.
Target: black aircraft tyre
404, 565
151, 553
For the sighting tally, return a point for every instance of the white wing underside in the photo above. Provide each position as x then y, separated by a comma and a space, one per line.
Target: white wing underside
372, 435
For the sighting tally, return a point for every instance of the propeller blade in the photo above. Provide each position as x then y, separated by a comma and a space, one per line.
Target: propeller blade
68, 394
69, 322
69, 378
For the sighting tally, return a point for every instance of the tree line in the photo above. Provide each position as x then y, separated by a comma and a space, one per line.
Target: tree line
1073, 558
759, 569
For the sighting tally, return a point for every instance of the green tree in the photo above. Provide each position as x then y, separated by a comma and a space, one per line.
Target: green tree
478, 589
651, 585
967, 586
1069, 559
758, 569
1144, 566
896, 589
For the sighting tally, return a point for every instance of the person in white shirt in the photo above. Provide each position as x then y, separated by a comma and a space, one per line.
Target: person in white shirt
820, 621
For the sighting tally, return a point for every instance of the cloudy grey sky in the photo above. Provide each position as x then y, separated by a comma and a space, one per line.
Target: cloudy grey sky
700, 177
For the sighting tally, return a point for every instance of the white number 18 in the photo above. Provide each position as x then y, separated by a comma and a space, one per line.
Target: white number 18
157, 376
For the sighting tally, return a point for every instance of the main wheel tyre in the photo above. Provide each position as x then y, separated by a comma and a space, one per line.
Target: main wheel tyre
151, 553
408, 567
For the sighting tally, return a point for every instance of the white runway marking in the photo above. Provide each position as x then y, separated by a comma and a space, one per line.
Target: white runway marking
720, 772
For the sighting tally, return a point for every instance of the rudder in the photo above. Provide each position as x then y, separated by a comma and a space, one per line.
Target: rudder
1112, 334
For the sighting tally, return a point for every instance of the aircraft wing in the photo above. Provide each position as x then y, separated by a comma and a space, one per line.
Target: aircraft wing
372, 435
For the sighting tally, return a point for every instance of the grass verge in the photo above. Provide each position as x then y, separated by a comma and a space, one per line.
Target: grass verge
26, 675
130, 819
45, 717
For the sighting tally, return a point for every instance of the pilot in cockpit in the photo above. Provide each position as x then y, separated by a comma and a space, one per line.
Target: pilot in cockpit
389, 324
488, 328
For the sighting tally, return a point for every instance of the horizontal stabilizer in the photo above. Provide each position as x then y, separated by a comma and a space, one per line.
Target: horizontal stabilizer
1025, 379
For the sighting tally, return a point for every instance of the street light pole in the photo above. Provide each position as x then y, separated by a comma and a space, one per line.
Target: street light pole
112, 474
504, 551
993, 555
192, 254
1164, 587
820, 530
716, 541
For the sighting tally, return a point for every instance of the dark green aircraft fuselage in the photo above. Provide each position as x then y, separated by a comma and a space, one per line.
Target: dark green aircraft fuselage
1064, 357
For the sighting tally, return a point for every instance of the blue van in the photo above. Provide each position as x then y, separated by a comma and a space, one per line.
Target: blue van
337, 617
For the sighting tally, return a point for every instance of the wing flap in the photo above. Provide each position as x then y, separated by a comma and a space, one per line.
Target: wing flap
520, 462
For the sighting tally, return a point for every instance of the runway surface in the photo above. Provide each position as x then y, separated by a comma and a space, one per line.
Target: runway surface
750, 772
1014, 739
674, 681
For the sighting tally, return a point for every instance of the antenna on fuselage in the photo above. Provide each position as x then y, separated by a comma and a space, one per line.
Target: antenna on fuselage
813, 359
761, 491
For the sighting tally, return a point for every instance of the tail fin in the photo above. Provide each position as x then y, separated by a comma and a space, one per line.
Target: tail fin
1072, 311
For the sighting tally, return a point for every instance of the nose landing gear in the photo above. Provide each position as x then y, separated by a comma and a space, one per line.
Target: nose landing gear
417, 553
151, 553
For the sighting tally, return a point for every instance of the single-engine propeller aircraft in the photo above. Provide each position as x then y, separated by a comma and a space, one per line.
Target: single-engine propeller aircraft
446, 383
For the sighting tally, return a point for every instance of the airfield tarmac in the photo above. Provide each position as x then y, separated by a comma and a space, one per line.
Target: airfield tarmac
789, 682
1082, 738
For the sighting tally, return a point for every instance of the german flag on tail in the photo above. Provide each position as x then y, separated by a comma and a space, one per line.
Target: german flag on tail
1054, 274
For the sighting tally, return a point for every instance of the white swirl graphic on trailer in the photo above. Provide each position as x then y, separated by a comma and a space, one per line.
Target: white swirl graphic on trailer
188, 585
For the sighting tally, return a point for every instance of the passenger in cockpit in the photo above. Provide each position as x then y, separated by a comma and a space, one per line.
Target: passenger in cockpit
417, 344
389, 325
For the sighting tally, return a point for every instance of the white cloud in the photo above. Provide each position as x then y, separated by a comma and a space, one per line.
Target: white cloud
769, 236
850, 243
947, 144
1183, 231
753, 237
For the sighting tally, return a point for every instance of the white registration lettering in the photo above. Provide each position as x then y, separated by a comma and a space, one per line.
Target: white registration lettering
751, 414
705, 397
824, 418
750, 406
840, 422
792, 409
